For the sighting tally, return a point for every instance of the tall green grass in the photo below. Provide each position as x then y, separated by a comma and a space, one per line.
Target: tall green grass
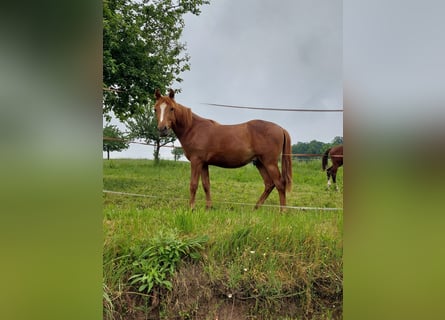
262, 264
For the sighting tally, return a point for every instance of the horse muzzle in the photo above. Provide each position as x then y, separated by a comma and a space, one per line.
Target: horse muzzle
163, 131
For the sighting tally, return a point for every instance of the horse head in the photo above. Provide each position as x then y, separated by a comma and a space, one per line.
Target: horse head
165, 111
171, 115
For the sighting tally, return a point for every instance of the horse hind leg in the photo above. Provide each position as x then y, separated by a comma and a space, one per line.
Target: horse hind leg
274, 172
329, 174
268, 183
205, 178
196, 170
334, 177
275, 176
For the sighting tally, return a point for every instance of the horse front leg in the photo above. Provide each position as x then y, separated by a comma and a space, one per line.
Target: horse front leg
206, 185
196, 168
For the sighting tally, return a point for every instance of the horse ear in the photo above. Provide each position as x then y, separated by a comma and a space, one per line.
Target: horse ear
171, 93
157, 94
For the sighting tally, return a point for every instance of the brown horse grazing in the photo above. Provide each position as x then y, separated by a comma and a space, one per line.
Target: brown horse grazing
206, 142
336, 154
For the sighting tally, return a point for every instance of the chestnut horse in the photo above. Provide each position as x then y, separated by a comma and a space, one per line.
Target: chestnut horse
206, 142
336, 154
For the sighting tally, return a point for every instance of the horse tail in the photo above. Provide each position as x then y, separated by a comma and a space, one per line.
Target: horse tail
324, 160
286, 162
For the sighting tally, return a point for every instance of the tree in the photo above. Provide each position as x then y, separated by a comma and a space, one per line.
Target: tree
142, 51
337, 140
113, 140
177, 152
299, 148
143, 125
313, 147
316, 147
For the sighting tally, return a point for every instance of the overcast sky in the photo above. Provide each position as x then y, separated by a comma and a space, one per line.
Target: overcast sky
264, 53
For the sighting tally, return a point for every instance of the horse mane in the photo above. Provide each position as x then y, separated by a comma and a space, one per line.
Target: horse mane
183, 115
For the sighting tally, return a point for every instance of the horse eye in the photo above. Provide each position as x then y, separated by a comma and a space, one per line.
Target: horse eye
171, 109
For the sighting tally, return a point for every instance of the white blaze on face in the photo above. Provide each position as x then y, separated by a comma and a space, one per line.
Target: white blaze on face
162, 107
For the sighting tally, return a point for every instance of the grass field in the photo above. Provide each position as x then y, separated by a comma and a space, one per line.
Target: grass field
164, 261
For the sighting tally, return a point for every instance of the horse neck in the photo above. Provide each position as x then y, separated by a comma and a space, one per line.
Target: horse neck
183, 131
179, 130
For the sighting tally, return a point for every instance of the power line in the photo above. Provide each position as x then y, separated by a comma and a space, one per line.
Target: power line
273, 109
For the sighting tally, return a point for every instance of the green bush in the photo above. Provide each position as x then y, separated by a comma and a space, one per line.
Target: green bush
154, 265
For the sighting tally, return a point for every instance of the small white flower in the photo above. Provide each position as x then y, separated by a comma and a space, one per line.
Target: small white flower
252, 251
245, 269
229, 295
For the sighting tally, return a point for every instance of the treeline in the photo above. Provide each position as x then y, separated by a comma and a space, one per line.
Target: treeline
314, 147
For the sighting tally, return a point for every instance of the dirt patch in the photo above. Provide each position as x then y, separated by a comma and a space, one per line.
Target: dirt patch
194, 296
